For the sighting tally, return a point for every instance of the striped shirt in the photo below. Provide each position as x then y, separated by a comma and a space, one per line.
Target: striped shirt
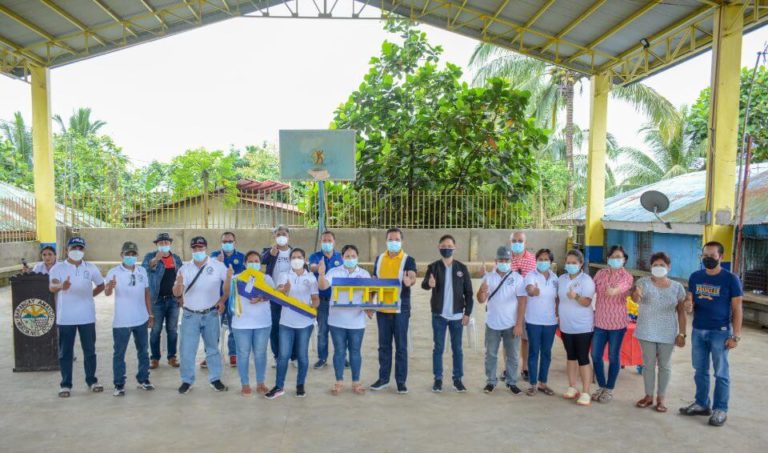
611, 311
522, 264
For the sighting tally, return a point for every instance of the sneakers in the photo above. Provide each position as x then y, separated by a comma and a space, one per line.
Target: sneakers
488, 388
437, 387
119, 391
233, 361
571, 393
300, 392
185, 388
598, 394
459, 386
204, 364
219, 386
606, 396
402, 389
64, 392
276, 392
695, 409
146, 385
320, 364
154, 364
174, 362
379, 385
96, 388
584, 400
514, 389
718, 418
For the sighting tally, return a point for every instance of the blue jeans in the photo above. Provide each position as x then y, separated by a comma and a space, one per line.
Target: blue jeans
66, 352
599, 339
193, 326
164, 309
120, 337
255, 340
706, 344
393, 327
343, 340
540, 340
231, 347
439, 326
293, 340
322, 330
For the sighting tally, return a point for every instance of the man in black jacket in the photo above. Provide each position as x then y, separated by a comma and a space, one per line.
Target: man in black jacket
451, 304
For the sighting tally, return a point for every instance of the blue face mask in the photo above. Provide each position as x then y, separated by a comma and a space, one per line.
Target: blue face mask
199, 256
543, 266
394, 246
129, 260
517, 247
350, 262
164, 248
572, 268
228, 247
615, 263
503, 267
326, 247
254, 266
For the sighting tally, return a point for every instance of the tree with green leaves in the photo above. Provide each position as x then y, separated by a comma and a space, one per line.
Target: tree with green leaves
189, 171
258, 162
552, 90
698, 123
18, 136
80, 123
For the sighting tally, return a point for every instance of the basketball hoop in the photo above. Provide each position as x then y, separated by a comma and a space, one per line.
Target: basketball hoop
319, 174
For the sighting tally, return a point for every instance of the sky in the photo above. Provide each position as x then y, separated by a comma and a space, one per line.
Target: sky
240, 81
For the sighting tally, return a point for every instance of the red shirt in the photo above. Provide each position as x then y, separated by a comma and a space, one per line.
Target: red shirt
524, 263
611, 311
168, 261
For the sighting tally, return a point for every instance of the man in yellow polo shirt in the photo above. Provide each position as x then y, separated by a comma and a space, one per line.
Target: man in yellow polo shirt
393, 325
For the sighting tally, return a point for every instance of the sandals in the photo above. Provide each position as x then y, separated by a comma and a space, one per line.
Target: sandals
660, 407
645, 402
358, 388
246, 390
545, 390
531, 391
337, 388
96, 388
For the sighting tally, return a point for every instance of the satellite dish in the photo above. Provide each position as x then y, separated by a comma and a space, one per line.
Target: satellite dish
655, 202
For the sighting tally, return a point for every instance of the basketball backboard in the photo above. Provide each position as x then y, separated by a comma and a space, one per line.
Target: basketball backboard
317, 155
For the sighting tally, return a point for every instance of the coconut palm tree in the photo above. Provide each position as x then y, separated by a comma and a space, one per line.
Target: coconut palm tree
80, 123
552, 89
673, 152
19, 136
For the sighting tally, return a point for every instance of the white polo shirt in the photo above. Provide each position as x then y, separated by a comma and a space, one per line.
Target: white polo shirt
254, 315
302, 288
574, 317
207, 289
346, 318
130, 305
540, 310
502, 308
40, 268
75, 306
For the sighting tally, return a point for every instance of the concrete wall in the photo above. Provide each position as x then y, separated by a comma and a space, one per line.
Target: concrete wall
11, 253
472, 245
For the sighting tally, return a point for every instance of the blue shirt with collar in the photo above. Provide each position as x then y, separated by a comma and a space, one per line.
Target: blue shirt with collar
334, 261
236, 260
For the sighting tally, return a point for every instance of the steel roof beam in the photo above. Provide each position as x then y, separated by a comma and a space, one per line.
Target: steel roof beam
574, 23
29, 25
114, 16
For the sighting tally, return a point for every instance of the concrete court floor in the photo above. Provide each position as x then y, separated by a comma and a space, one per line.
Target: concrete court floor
34, 419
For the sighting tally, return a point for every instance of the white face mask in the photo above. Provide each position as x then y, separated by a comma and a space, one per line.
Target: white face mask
659, 271
297, 263
281, 240
75, 255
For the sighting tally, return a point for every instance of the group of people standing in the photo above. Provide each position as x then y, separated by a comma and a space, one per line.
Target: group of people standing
527, 305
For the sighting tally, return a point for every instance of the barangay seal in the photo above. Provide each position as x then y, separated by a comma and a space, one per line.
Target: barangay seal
33, 317
209, 270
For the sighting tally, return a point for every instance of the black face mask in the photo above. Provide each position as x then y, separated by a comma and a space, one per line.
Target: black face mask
709, 262
446, 253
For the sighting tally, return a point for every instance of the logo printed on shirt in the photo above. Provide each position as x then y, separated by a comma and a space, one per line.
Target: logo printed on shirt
704, 291
209, 270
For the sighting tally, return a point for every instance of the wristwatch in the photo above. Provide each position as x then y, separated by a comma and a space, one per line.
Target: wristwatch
735, 338
682, 335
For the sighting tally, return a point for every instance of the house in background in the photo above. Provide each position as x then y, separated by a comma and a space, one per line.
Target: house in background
627, 223
256, 204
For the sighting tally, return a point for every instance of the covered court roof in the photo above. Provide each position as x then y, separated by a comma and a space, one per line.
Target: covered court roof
630, 39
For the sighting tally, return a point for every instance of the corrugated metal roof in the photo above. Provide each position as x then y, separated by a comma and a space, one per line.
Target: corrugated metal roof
686, 201
17, 212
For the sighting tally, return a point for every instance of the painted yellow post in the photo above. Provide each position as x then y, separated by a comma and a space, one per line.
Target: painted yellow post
42, 146
598, 131
724, 127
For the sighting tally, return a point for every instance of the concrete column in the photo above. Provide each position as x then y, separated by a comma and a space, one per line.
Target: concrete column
598, 133
42, 146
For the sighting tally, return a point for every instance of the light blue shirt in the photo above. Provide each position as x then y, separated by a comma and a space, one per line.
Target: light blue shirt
448, 297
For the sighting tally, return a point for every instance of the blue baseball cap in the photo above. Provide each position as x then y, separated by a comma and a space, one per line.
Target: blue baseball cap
76, 241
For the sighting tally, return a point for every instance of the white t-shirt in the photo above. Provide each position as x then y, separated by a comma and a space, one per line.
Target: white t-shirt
282, 264
302, 288
346, 318
574, 317
540, 310
130, 305
75, 306
254, 316
207, 289
502, 308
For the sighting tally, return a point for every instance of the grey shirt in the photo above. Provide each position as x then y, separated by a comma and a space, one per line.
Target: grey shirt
657, 311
